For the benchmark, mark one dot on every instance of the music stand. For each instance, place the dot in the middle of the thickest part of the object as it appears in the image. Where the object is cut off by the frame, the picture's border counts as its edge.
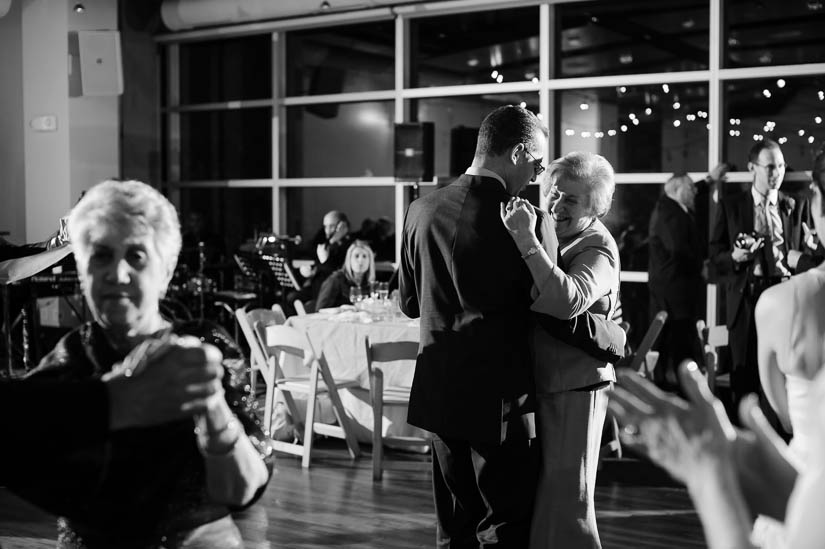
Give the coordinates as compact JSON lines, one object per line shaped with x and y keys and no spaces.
{"x":280,"y":268}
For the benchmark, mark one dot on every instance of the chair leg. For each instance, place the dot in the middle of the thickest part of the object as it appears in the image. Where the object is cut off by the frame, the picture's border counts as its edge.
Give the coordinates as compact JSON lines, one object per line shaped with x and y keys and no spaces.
{"x":310,"y":415}
{"x":269,"y":404}
{"x":338,"y":407}
{"x":377,"y":423}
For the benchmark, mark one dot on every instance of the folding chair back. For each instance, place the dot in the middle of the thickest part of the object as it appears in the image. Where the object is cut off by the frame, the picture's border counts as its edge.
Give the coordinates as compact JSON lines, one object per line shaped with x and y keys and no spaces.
{"x":379,"y":357}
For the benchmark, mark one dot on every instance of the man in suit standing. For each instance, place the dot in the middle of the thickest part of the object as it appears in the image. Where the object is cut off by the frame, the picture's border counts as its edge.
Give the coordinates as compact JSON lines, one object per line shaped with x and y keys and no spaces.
{"x":756,"y":241}
{"x":675,"y":273}
{"x":473,"y":387}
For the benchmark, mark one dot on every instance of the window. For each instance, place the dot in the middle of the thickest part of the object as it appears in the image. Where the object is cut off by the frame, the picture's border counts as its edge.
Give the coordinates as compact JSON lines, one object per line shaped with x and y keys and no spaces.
{"x":791,"y":111}
{"x":331,"y":60}
{"x":653,"y":128}
{"x":340,"y":140}
{"x":475,"y":48}
{"x":772,"y":33}
{"x":226,"y":70}
{"x":228,"y":144}
{"x":636,"y":36}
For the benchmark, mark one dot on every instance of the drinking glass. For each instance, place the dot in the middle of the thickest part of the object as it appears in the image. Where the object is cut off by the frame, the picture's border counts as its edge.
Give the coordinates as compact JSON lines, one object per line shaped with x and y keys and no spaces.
{"x":355,"y":295}
{"x":383,"y":291}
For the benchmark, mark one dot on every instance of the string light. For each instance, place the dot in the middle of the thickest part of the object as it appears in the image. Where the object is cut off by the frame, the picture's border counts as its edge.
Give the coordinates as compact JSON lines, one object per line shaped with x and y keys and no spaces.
{"x":821,"y":95}
{"x":811,"y":139}
{"x":780,"y":83}
{"x":622,"y":89}
{"x":585,"y":134}
{"x":494,"y":74}
{"x":648,"y":111}
{"x":631,"y":116}
{"x":535,"y":80}
{"x":611,"y":133}
{"x":818,"y":119}
{"x":523,"y":105}
{"x":635,"y":121}
{"x":665,"y":88}
{"x":690,"y":117}
{"x":801,"y":133}
{"x":766,"y":92}
{"x":500,"y":78}
{"x":782,"y":140}
{"x":584,"y":106}
{"x":676,"y":105}
{"x":569,"y":133}
{"x":623,"y":128}
{"x":677,"y":123}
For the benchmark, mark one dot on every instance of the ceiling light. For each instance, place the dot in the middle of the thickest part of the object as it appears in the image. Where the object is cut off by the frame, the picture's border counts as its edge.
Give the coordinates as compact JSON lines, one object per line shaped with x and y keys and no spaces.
{"x":325,"y":5}
{"x":79,"y":8}
{"x":584,"y":106}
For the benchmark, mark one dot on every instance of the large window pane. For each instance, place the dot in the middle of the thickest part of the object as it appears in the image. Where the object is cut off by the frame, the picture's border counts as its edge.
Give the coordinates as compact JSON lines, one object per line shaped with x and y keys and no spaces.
{"x":475,"y":48}
{"x":223,"y":219}
{"x":341,"y":59}
{"x":660,"y":128}
{"x":789,"y":111}
{"x":233,"y":144}
{"x":371,"y":213}
{"x":636,"y":36}
{"x":772,"y":33}
{"x":340,"y":140}
{"x":457,"y":120}
{"x":226,"y":70}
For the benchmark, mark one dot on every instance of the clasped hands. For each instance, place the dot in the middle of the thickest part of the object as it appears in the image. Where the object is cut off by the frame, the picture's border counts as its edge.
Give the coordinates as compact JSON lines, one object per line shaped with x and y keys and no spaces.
{"x":519,"y":217}
{"x":166,"y":380}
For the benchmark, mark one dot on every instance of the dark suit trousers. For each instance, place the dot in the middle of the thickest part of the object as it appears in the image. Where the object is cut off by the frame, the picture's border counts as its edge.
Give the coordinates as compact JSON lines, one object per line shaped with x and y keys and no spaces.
{"x":744,"y":376}
{"x":484,"y":492}
{"x":678,"y":341}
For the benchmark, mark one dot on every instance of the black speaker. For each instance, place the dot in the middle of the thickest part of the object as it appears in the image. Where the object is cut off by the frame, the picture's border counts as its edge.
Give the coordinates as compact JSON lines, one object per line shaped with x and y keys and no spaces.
{"x":414,"y":151}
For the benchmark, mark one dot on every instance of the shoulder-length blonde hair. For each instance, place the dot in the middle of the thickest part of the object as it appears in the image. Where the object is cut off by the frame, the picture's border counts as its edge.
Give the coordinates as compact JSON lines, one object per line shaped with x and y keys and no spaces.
{"x":362,"y":245}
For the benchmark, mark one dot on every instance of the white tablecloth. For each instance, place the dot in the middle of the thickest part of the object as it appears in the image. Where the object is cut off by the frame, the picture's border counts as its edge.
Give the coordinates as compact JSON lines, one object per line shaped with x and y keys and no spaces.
{"x":341,"y":340}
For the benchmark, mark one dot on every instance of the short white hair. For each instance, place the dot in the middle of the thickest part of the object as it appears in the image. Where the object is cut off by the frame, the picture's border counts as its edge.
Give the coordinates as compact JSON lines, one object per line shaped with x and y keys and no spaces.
{"x":132,"y":205}
{"x":592,"y":171}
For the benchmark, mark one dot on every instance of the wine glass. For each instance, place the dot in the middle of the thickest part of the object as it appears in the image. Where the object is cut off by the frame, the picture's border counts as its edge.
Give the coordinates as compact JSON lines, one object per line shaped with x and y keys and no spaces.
{"x":383,"y":291}
{"x":355,"y":295}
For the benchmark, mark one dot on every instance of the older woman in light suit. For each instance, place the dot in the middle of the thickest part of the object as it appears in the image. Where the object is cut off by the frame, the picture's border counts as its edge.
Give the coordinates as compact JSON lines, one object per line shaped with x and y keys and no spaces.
{"x":575,"y":268}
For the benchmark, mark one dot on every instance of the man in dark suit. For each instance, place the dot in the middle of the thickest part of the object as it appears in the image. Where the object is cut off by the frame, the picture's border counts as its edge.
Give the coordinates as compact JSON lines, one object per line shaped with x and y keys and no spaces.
{"x":675,"y":274}
{"x":473,"y":387}
{"x":756,"y":241}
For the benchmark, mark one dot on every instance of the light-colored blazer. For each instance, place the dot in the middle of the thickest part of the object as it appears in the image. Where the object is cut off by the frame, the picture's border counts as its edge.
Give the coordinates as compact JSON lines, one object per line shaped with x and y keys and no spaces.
{"x":587,"y":280}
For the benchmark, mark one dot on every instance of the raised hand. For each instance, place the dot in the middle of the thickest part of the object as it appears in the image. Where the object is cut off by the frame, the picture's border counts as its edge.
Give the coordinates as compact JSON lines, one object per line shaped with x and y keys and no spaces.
{"x":519,"y":217}
{"x":161,"y":381}
{"x":682,"y":437}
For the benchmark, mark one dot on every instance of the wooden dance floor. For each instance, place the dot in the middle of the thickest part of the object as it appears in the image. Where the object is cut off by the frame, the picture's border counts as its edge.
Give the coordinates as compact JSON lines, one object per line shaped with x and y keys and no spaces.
{"x":336,"y":504}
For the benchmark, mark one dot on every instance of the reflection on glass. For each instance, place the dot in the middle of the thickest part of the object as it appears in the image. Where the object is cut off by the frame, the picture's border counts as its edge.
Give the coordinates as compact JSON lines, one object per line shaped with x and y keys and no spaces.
{"x":232,"y":215}
{"x":457,"y":120}
{"x":654,"y":128}
{"x":772,"y":33}
{"x":354,"y":58}
{"x":475,"y":48}
{"x":226,"y":70}
{"x":370,"y":210}
{"x":340,"y":140}
{"x":632,"y":36}
{"x":232,"y":144}
{"x":791,"y":111}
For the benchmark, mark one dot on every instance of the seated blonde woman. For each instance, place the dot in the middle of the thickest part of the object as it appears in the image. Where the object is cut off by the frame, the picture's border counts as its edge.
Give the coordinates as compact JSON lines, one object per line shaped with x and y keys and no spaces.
{"x":358,"y":272}
{"x":575,"y":268}
{"x":174,"y":484}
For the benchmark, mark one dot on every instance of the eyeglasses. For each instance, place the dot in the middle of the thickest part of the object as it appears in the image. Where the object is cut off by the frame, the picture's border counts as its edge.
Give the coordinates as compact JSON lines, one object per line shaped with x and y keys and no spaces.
{"x":772,"y":167}
{"x":538,"y":169}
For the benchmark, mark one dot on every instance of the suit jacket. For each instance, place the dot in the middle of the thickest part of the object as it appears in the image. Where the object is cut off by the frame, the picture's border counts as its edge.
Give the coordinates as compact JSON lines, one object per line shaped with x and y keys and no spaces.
{"x":675,"y":261}
{"x":735,"y":215}
{"x":589,"y":273}
{"x":463,"y":275}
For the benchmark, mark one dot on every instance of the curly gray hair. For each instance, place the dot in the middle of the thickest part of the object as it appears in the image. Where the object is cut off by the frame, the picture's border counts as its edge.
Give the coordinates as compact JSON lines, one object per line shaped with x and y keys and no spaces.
{"x":130,"y":204}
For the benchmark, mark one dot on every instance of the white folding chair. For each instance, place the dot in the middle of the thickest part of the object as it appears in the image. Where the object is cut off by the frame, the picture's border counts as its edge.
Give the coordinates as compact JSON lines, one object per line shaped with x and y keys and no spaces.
{"x":713,"y":337}
{"x":281,"y":342}
{"x":381,"y":395}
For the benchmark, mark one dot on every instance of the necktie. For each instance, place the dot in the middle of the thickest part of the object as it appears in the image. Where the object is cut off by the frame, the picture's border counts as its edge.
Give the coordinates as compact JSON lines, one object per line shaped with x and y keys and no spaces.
{"x":773,"y":245}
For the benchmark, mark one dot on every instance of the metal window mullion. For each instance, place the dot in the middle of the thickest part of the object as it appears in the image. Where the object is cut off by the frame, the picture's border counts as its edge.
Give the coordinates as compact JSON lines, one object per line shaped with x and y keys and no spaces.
{"x":353,"y":97}
{"x":277,"y":72}
{"x":402,"y":73}
{"x":805,"y":69}
{"x":472,"y":89}
{"x":715,"y":121}
{"x":221,"y":105}
{"x":629,"y":80}
{"x":546,"y":96}
{"x":173,"y":157}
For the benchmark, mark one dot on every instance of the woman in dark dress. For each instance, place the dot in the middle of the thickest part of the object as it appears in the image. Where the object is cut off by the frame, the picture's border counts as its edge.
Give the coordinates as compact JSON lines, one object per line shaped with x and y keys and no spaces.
{"x":358,"y":272}
{"x":175,"y":484}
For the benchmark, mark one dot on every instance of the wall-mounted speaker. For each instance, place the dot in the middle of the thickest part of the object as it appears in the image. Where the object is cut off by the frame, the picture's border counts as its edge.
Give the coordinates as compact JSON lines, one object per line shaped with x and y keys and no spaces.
{"x":101,"y":72}
{"x":414,"y":151}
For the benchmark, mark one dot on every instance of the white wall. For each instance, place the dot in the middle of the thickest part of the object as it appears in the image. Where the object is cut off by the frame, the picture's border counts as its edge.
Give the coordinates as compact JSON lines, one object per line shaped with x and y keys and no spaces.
{"x":12,"y":176}
{"x":43,"y":173}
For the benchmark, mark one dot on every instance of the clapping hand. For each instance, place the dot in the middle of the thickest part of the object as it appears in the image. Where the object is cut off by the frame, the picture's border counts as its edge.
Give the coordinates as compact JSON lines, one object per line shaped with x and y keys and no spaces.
{"x":680,"y":436}
{"x":162,"y":381}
